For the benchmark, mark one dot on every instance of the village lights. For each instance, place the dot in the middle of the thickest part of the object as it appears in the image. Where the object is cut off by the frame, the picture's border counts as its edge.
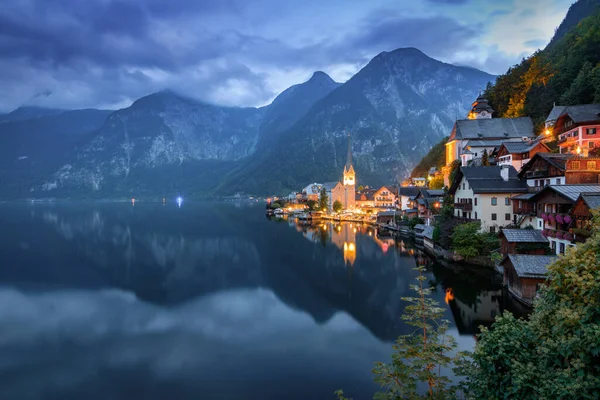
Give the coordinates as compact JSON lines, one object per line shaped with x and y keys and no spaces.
{"x":547,"y":131}
{"x":179,"y":201}
{"x":578,"y":150}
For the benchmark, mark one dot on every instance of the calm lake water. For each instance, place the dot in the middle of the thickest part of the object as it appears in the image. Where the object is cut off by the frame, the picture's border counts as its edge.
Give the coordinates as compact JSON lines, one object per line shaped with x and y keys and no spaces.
{"x":206,"y":301}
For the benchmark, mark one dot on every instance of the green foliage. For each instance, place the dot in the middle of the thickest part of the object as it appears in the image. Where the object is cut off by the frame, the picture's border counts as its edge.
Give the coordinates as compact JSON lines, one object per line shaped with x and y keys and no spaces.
{"x":361,"y":188}
{"x":567,"y":71}
{"x":275,"y":206}
{"x":337,"y":206}
{"x":556,"y":353}
{"x":454,"y":167}
{"x":312,"y":205}
{"x":437,"y":182}
{"x":323,"y":200}
{"x":419,"y":356}
{"x":436,"y":157}
{"x":414,"y":221}
{"x":525,"y":248}
{"x":468,"y":242}
{"x":485,"y":158}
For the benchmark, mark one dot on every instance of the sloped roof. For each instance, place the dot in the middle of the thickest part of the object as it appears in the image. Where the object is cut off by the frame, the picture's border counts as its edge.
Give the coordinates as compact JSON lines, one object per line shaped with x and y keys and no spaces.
{"x":488,"y":180}
{"x":591,"y":199}
{"x":555,"y":113}
{"x":557,"y":160}
{"x":530,"y":266}
{"x":368,"y":193}
{"x":572,"y":192}
{"x":408,"y":191}
{"x":428,"y":232}
{"x":386,"y":213}
{"x":524,"y":196}
{"x":493,"y":128}
{"x":524,"y":236}
{"x":583,"y":112}
{"x":435,"y":192}
{"x":519,"y":147}
{"x":330,"y":185}
{"x":484,"y":143}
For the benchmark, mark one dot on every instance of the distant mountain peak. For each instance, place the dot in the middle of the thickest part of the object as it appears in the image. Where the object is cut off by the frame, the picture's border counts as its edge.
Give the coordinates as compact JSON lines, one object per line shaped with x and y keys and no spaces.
{"x":320,"y":76}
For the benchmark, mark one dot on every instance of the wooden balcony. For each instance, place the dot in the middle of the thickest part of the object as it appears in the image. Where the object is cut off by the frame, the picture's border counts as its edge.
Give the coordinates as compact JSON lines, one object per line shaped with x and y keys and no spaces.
{"x":464,"y":206}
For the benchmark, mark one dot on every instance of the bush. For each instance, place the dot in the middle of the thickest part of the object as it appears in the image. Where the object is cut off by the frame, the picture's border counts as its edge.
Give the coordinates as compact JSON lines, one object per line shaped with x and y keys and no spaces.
{"x":468,"y":242}
{"x":414,"y":221}
{"x":337,"y":206}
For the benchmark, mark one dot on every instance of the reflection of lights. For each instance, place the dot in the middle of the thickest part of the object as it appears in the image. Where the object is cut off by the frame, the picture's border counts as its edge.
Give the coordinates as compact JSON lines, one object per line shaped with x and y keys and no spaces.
{"x":351,"y":247}
{"x":345,"y":246}
{"x":133,"y":202}
{"x":449,"y":295}
{"x":384,"y":247}
{"x":179,"y":201}
{"x":324,"y":227}
{"x":411,"y":252}
{"x":354,"y":230}
{"x":370,"y":233}
{"x":339,"y":228}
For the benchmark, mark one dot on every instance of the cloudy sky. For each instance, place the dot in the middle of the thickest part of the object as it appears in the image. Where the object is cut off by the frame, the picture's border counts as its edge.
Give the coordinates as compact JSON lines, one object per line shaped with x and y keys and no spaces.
{"x":107,"y":53}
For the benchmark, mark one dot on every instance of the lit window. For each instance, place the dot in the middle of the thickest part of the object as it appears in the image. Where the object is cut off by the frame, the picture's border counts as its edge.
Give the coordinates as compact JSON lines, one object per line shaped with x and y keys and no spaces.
{"x":591,"y":131}
{"x":591,"y":165}
{"x":494,"y":202}
{"x":591,"y":145}
{"x":575,"y":165}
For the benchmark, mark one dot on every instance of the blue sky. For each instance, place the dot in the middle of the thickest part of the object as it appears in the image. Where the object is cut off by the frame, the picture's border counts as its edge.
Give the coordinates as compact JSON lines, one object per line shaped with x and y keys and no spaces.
{"x":107,"y":53}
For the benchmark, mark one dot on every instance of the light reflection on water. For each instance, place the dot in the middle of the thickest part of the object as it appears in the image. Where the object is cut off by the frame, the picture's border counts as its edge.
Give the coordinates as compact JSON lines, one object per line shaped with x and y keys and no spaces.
{"x":205,"y":301}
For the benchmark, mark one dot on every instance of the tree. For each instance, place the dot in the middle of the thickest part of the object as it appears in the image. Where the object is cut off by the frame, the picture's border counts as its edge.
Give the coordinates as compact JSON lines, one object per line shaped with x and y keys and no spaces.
{"x":454,"y":167}
{"x":337,"y":206}
{"x":556,"y":353}
{"x":361,"y":188}
{"x":485,"y":159}
{"x":275,"y":205}
{"x":437,"y":182}
{"x":414,"y":221}
{"x":323,"y":200}
{"x":312,"y":205}
{"x":419,"y":356}
{"x":468,"y":242}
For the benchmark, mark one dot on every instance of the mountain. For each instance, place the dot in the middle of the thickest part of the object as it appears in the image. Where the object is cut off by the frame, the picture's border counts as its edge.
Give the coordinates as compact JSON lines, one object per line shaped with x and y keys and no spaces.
{"x":396,"y":108}
{"x":566,"y":72}
{"x":36,"y":141}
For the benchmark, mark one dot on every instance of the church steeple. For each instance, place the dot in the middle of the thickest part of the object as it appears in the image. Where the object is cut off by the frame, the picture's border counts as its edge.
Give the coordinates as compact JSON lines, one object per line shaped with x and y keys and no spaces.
{"x":480,"y":108}
{"x":349,"y":178}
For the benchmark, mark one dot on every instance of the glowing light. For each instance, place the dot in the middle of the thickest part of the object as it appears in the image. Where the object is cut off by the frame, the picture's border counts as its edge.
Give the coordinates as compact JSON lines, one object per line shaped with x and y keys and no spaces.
{"x":354,"y":230}
{"x":133,"y":202}
{"x":449,"y":295}
{"x":179,"y":201}
{"x":547,"y":132}
{"x":351,"y":247}
{"x":578,"y":150}
{"x":370,"y":233}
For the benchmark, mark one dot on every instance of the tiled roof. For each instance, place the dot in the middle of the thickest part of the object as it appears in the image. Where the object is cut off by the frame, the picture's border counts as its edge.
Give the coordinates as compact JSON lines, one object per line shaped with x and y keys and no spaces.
{"x":555,"y":113}
{"x":524,"y":196}
{"x":524,"y":236}
{"x":493,"y":128}
{"x":591,"y":199}
{"x":530,"y":266}
{"x":484,"y":143}
{"x":428,"y":232}
{"x":409,"y":191}
{"x":330,"y":185}
{"x":519,"y":147}
{"x":573,"y":191}
{"x":435,"y":192}
{"x":583,"y":112}
{"x":489,"y":180}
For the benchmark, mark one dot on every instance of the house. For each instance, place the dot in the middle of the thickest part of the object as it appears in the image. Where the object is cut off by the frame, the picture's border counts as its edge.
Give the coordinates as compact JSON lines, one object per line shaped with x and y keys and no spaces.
{"x":474,"y":149}
{"x":494,"y":131}
{"x":578,"y":129}
{"x":545,"y":169}
{"x":524,"y":273}
{"x":524,"y":210}
{"x":582,"y":170}
{"x":406,"y":197}
{"x":518,"y":154}
{"x":581,"y":215}
{"x":483,"y":194}
{"x":365,"y":198}
{"x":312,"y":192}
{"x":419,"y":182}
{"x":335,"y":192}
{"x":386,"y":217}
{"x":428,"y":238}
{"x":429,"y":202}
{"x":522,"y":241}
{"x":385,"y":197}
{"x":552,"y":205}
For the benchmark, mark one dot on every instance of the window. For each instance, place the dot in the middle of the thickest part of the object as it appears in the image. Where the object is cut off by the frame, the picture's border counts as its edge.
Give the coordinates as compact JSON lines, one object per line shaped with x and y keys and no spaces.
{"x":558,"y":181}
{"x":537,"y":183}
{"x":494,"y":217}
{"x":475,"y":214}
{"x":553,"y":245}
{"x":463,"y":186}
{"x":575,"y":165}
{"x":591,"y":145}
{"x":475,"y":200}
{"x":492,"y":229}
{"x":547,"y":181}
{"x":591,"y":165}
{"x":494,"y":201}
{"x":540,"y":224}
{"x":507,"y":201}
{"x":507,"y":217}
{"x":591,"y":131}
{"x":562,"y":248}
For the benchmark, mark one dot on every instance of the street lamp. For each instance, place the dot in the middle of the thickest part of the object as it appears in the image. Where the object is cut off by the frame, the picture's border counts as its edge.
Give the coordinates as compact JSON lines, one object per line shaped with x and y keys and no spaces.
{"x":578,"y":150}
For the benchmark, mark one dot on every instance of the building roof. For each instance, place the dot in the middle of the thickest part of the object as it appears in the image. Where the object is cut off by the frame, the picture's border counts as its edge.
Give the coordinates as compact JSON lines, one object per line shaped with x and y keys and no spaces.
{"x":368,"y":193}
{"x":492,"y":128}
{"x":524,"y":236}
{"x":330,"y":185}
{"x":530,"y":266}
{"x":420,"y":227}
{"x":488,"y":180}
{"x":484,"y":143}
{"x":409,"y":191}
{"x":582,"y":112}
{"x":591,"y":199}
{"x":435,"y":192}
{"x":555,"y":113}
{"x":519,"y":147}
{"x":559,"y":161}
{"x":571,"y":192}
{"x":386,"y":213}
{"x":524,"y":196}
{"x":428,"y":232}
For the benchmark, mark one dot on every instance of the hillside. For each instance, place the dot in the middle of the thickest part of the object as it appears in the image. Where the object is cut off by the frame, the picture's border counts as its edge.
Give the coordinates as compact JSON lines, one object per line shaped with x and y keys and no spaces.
{"x":436,"y":157}
{"x":566,"y":72}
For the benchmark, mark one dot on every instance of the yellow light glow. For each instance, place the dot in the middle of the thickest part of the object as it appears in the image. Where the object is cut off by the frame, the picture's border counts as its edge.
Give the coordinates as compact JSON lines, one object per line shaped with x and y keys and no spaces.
{"x":370,"y":233}
{"x":547,"y":132}
{"x":578,"y":150}
{"x":354,"y":230}
{"x":351,"y":247}
{"x":429,"y":178}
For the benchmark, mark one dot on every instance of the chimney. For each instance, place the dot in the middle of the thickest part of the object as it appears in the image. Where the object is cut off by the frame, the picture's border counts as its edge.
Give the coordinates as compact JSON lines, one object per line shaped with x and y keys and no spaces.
{"x":504,"y":172}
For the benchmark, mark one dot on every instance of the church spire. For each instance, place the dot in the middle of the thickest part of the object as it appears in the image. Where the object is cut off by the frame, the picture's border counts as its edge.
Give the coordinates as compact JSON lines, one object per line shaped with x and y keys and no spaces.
{"x":349,"y":155}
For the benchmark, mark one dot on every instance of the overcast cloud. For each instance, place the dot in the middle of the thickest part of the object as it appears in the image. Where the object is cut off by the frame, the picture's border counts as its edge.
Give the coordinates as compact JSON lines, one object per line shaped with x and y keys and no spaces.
{"x":107,"y":53}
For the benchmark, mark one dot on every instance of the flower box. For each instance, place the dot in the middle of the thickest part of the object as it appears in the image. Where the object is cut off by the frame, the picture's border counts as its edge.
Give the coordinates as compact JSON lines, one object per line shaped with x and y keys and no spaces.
{"x":567,"y":219}
{"x":544,"y":216}
{"x":559,"y":219}
{"x":559,"y":235}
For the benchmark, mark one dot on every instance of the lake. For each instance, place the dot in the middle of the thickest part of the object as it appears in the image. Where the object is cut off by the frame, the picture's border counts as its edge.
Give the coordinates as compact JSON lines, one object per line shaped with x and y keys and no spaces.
{"x":207,"y":301}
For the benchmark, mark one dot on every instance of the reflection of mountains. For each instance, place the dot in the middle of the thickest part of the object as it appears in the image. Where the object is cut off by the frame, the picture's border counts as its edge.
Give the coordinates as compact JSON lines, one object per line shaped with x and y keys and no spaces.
{"x":165,"y":257}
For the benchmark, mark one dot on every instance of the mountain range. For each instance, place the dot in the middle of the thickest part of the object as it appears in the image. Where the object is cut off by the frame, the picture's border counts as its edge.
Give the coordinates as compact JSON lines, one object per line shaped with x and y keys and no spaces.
{"x":395,"y":108}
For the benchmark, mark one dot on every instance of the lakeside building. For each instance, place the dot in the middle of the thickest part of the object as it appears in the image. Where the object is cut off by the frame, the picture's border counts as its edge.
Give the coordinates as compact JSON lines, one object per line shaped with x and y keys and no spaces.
{"x":524,"y":274}
{"x":311,"y":192}
{"x":581,"y":215}
{"x":428,"y":204}
{"x":483,"y":194}
{"x":518,"y":154}
{"x":577,"y":128}
{"x":406,"y":198}
{"x":349,"y":180}
{"x":365,"y":198}
{"x":522,"y":241}
{"x":335,"y":192}
{"x":385,"y":197}
{"x":545,"y":169}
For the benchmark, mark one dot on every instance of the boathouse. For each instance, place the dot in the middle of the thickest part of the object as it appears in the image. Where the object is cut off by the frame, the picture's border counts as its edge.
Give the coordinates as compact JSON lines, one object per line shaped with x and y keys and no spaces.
{"x":524,"y":273}
{"x":523,"y":241}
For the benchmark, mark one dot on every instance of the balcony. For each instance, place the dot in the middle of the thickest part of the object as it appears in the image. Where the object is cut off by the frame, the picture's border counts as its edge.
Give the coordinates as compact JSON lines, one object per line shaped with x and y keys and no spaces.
{"x":567,"y":139}
{"x":540,"y":173}
{"x":464,"y":206}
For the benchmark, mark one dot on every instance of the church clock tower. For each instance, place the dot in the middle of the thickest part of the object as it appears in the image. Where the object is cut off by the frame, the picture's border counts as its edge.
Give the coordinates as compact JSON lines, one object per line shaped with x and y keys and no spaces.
{"x":480,"y":109}
{"x":349,"y":179}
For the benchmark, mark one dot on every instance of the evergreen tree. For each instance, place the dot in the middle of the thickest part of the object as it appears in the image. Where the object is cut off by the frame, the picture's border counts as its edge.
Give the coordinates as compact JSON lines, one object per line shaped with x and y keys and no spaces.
{"x":337,"y":206}
{"x":323,"y":200}
{"x":485,"y":159}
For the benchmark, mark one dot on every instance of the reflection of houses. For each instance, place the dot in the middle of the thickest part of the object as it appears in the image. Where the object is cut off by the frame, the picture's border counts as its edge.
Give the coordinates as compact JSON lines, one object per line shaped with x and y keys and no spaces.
{"x":469,"y":317}
{"x":523,"y":275}
{"x":343,"y":236}
{"x":522,"y":241}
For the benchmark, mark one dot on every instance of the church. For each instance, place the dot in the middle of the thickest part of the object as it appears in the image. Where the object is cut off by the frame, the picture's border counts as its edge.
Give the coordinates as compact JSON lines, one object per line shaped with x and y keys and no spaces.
{"x":345,"y":191}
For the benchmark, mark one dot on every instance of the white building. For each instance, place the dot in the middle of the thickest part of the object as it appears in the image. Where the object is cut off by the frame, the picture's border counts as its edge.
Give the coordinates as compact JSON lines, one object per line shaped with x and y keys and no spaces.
{"x":484,"y":194}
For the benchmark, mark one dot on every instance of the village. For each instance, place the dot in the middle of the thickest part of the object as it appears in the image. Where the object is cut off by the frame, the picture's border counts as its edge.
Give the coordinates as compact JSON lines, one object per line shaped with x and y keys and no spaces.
{"x":532,"y":190}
